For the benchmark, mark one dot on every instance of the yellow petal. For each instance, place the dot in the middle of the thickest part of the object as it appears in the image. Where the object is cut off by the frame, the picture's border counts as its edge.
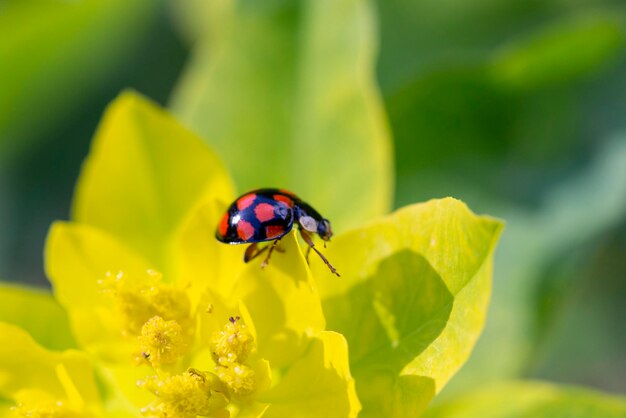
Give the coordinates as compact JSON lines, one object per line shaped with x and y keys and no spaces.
{"x":35,"y":311}
{"x":411,"y":301}
{"x":143,"y":174}
{"x":200,"y":260}
{"x":319,"y":384}
{"x":282,"y":301}
{"x":253,"y":410}
{"x":26,"y":366}
{"x":77,"y":257}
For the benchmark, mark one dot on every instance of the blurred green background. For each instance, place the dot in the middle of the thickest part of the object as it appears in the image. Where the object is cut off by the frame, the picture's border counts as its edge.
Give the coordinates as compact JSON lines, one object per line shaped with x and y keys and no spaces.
{"x":516,"y":107}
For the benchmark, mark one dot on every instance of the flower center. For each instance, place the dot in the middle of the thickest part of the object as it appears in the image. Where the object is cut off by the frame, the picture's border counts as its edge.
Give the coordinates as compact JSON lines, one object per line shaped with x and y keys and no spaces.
{"x":137,"y":299}
{"x":159,"y":316}
{"x":195,"y":392}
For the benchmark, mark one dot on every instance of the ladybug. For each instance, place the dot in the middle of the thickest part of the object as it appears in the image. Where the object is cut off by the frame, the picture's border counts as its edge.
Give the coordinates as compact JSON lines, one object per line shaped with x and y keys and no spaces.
{"x":268,"y":215}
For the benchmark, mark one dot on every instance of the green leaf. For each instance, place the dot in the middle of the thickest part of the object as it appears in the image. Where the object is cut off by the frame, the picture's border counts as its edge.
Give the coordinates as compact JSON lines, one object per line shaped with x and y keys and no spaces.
{"x":561,"y":52}
{"x":286,"y":95}
{"x":411,"y":301}
{"x":424,"y":108}
{"x":36,"y":312}
{"x":429,"y":35}
{"x":562,"y":220}
{"x":200,"y":19}
{"x":54,"y":54}
{"x":531,"y":399}
{"x":498,"y":107}
{"x":142,"y":176}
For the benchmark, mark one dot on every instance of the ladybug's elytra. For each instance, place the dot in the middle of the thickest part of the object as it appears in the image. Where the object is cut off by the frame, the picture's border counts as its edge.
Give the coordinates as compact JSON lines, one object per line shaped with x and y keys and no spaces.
{"x":268,"y":215}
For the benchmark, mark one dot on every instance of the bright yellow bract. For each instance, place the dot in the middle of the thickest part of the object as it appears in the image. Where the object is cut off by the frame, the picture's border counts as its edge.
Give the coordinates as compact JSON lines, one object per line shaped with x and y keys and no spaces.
{"x":171,"y":323}
{"x":137,"y":299}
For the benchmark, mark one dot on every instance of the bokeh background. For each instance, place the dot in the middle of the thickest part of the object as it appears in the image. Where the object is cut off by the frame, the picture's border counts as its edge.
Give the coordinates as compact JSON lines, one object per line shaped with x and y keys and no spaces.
{"x":517,"y":107}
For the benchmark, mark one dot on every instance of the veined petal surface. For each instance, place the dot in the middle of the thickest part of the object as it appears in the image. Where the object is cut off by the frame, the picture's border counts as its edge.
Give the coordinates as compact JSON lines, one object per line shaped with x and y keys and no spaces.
{"x":143,"y":174}
{"x":411,"y":301}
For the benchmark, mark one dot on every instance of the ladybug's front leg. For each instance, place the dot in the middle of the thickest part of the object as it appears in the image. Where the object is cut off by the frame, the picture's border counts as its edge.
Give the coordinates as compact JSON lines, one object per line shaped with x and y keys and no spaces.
{"x":252,"y":252}
{"x":307,"y":238}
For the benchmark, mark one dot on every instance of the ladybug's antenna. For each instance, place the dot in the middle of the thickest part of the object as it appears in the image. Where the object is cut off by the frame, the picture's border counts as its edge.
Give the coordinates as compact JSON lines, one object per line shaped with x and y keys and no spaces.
{"x":308,"y":240}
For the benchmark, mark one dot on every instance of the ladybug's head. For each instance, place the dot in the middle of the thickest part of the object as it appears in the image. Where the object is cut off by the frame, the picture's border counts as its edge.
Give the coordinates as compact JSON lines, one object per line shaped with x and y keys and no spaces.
{"x":324,"y":230}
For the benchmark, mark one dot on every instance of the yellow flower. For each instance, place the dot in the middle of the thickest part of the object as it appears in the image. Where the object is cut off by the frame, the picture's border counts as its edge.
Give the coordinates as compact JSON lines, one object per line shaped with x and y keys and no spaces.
{"x":178,"y":323}
{"x":172,"y":323}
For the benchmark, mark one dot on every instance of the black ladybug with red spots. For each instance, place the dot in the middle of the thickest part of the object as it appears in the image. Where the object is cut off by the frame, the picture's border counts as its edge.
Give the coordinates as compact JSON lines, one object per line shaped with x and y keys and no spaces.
{"x":268,"y":215}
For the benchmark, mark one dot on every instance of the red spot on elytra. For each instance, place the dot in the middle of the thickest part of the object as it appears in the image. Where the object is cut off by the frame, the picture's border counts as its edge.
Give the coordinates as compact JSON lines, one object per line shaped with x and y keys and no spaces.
{"x":264,"y":212}
{"x":245,"y":201}
{"x":284,"y":199}
{"x":272,"y":231}
{"x":223,"y":228}
{"x":245,"y":230}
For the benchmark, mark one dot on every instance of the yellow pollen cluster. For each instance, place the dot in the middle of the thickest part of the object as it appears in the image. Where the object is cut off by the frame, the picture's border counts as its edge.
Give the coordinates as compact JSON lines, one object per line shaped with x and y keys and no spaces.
{"x":233,"y":344}
{"x":137,"y":299}
{"x":47,"y":410}
{"x":239,"y":378}
{"x":161,"y":341}
{"x":230,"y":348}
{"x":187,"y":395}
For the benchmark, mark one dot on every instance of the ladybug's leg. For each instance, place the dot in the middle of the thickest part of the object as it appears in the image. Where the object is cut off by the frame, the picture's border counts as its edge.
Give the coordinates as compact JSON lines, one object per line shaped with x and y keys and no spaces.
{"x":269,"y":254}
{"x":308,"y":240}
{"x":308,"y":251}
{"x":252,"y":252}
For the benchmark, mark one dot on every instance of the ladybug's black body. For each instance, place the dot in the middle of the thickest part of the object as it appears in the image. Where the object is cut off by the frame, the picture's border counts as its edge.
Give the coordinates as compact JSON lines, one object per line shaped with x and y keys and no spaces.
{"x":268,"y":215}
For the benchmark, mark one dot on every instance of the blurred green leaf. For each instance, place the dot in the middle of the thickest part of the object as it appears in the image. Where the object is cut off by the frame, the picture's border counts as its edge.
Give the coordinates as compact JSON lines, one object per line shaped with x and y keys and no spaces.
{"x":36,"y":312}
{"x":430,"y":34}
{"x":200,"y":19}
{"x":427,"y":35}
{"x":286,"y":96}
{"x":582,"y":294}
{"x":449,"y":113}
{"x":531,"y":399}
{"x":411,"y":300}
{"x":570,"y":215}
{"x":54,"y":53}
{"x":461,"y":130}
{"x":560,"y":52}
